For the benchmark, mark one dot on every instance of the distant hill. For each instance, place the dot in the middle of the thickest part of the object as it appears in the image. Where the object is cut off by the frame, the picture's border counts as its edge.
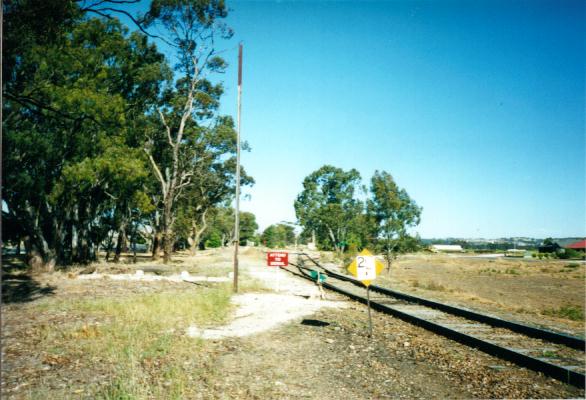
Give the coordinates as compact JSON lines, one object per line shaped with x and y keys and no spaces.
{"x":498,"y":243}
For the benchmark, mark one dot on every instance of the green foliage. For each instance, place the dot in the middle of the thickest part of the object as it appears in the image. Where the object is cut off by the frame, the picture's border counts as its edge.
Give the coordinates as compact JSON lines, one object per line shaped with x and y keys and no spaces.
{"x":570,"y":254}
{"x":213,"y":181}
{"x":548,"y":242}
{"x":393,"y":213}
{"x":214,"y":240}
{"x":248,"y":227}
{"x":328,"y":205}
{"x":574,"y":313}
{"x":279,"y":235}
{"x":572,"y":265}
{"x":221,"y":227}
{"x":71,"y":100}
{"x":82,"y":98}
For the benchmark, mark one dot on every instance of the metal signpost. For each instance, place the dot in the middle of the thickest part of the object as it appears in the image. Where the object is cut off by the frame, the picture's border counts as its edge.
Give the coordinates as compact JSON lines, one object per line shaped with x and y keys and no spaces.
{"x":365,"y":268}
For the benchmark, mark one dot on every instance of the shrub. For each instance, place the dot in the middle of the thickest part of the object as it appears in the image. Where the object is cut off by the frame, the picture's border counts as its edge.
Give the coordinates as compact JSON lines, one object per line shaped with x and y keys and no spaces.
{"x":215,"y":240}
{"x":571,"y":254}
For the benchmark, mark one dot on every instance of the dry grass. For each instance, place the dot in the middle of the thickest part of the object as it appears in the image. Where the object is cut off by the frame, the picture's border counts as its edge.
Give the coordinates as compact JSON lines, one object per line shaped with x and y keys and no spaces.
{"x":535,"y":291}
{"x":118,"y":340}
{"x":136,"y":345}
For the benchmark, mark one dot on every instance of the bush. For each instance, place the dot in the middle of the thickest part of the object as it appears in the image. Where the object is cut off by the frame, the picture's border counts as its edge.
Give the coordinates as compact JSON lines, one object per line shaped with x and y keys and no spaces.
{"x":571,"y":254}
{"x":215,"y":240}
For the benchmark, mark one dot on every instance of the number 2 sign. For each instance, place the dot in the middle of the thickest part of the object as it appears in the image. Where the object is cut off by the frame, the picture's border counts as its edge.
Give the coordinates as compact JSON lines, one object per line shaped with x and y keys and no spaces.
{"x":365,"y":267}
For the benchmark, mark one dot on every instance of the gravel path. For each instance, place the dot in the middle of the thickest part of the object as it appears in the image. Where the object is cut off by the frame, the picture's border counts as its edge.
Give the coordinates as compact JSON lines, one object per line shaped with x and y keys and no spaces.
{"x":293,"y":299}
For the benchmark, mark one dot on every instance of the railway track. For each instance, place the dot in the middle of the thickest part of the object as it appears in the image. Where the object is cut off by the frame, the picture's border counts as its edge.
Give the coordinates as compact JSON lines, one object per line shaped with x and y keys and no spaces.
{"x":554,"y":354}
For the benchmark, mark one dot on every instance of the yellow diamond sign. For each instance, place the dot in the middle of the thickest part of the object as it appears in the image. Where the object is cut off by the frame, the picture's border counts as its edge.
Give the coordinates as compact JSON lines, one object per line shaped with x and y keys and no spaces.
{"x":365,"y":267}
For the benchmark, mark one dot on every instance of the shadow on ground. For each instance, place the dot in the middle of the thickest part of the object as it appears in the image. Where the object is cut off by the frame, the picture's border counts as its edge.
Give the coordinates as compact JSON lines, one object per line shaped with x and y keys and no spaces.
{"x":18,"y":286}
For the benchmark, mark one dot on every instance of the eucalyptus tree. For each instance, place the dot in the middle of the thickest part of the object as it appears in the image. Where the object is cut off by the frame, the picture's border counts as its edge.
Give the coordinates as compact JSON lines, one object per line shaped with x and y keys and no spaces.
{"x":73,"y":88}
{"x":193,"y":26}
{"x":220,"y":230}
{"x":393,"y":212}
{"x":278,"y":235}
{"x":213,"y":180}
{"x":329,"y":205}
{"x":221,"y":226}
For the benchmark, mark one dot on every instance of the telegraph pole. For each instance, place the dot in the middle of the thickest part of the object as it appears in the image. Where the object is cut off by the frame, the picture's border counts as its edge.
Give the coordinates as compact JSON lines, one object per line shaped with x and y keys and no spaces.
{"x":237,"y":211}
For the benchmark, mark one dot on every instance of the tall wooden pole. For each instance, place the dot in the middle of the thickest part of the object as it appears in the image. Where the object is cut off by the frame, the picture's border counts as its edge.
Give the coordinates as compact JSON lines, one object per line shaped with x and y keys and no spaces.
{"x":237,"y":211}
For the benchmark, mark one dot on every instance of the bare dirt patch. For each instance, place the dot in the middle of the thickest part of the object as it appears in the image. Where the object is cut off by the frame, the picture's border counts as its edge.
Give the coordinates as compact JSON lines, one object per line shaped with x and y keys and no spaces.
{"x":334,"y":359}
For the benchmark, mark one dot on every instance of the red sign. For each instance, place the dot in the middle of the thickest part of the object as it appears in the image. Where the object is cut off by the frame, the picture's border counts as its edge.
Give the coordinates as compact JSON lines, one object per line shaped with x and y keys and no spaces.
{"x":277,"y":259}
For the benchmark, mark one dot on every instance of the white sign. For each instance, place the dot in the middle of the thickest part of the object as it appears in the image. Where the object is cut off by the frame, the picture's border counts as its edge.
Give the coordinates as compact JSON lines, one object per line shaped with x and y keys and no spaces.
{"x":365,"y":268}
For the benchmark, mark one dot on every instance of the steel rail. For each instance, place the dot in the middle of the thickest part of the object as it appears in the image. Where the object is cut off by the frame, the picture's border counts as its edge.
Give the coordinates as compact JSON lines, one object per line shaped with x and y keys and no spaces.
{"x":538,"y":333}
{"x":560,"y":373}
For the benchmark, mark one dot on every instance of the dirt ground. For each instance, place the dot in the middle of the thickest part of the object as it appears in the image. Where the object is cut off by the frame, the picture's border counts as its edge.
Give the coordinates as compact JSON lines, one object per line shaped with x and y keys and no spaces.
{"x":330,"y":356}
{"x":323,"y":355}
{"x":534,"y":291}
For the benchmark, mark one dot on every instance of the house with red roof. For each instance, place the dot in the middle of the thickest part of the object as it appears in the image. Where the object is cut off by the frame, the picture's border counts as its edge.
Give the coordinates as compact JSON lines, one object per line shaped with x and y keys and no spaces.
{"x":580,"y":245}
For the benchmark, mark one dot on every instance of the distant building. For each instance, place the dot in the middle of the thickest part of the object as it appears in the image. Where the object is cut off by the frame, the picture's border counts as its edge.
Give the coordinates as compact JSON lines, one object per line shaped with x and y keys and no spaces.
{"x":515,"y":253}
{"x":446,"y":248}
{"x":580,"y":245}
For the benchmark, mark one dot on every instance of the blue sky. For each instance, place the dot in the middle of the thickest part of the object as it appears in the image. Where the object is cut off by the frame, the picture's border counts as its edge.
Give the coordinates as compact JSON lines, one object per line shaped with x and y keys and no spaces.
{"x":475,"y":107}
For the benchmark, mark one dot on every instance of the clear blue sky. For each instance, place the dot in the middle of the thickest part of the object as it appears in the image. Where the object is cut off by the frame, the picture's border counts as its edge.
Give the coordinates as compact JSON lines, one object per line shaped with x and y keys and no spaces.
{"x":476,"y":108}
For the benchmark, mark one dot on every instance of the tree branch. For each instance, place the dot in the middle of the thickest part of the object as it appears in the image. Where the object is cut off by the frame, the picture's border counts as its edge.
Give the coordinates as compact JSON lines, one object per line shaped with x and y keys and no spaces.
{"x":157,"y":172}
{"x":102,"y":12}
{"x":167,"y":128}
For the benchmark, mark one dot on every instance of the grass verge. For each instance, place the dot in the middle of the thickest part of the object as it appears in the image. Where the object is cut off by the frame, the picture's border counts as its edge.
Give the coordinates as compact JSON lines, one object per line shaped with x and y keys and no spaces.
{"x":133,"y":347}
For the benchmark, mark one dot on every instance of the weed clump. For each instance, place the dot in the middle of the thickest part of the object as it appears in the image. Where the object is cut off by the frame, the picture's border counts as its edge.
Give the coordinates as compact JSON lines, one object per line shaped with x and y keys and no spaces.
{"x":574,"y":313}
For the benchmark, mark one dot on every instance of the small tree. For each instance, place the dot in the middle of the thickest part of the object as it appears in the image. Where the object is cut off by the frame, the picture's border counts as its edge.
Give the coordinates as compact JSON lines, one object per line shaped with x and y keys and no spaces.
{"x":393,"y":212}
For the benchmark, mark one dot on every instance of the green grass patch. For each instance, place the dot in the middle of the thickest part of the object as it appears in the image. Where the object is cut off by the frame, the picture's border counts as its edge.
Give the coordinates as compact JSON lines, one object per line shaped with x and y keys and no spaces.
{"x":512,"y":271}
{"x":549,"y":354}
{"x":163,"y":309}
{"x":574,"y":313}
